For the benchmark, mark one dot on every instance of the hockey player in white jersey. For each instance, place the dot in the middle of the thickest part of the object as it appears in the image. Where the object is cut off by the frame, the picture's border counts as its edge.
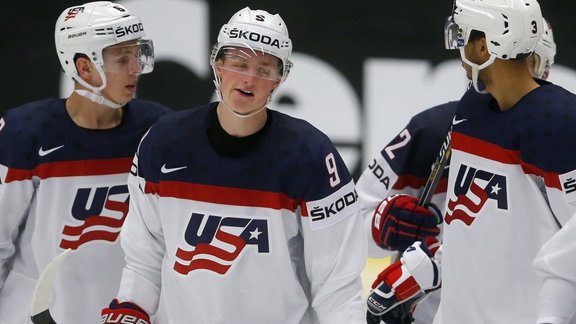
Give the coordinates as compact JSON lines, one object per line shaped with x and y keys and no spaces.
{"x":557,"y":270}
{"x":402,"y":167}
{"x":239,"y":213}
{"x":506,"y":192}
{"x":64,"y":165}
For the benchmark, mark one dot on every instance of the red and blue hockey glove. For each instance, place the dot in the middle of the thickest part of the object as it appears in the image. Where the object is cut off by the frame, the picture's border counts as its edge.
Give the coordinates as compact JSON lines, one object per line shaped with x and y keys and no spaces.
{"x":405,"y":281}
{"x":399,"y":221}
{"x":125,"y":312}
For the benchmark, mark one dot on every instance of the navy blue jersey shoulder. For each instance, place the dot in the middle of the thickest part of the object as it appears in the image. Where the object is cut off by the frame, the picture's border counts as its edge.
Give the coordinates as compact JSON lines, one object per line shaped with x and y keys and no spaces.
{"x":287,"y":159}
{"x":414,"y":152}
{"x":41,"y":126}
{"x":541,"y":126}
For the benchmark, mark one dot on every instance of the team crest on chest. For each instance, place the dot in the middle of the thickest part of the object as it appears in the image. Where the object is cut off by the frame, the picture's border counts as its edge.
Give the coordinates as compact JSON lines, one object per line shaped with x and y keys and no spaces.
{"x":98,"y":216}
{"x":215,"y":242}
{"x":473,"y":188}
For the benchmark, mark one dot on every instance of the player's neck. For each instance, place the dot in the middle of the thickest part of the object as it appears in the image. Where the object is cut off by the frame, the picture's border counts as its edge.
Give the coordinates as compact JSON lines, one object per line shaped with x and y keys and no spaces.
{"x":510,"y":84}
{"x":238,"y":126}
{"x":88,"y":114}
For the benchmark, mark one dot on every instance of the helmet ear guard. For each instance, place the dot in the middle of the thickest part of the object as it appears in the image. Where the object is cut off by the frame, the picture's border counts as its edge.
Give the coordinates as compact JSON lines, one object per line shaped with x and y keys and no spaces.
{"x":546,"y":51}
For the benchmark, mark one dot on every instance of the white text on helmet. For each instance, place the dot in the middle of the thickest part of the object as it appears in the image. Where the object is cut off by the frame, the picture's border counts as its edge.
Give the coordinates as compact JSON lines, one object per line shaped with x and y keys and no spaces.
{"x":126,"y":30}
{"x":255,"y":37}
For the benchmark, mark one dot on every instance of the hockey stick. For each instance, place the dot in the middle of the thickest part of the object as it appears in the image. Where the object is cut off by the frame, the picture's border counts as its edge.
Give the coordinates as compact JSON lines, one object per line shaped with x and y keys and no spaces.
{"x":405,"y":313}
{"x":39,"y":310}
{"x":436,"y":174}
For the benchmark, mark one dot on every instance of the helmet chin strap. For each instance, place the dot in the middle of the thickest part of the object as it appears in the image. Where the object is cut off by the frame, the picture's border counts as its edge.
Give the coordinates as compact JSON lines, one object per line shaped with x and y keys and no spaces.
{"x":98,"y":98}
{"x":95,"y":94}
{"x":476,"y":69}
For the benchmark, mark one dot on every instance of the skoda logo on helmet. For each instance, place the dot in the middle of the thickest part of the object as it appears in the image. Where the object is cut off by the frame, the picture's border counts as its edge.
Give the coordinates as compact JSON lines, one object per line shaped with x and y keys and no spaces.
{"x":122,"y":31}
{"x":254,"y":36}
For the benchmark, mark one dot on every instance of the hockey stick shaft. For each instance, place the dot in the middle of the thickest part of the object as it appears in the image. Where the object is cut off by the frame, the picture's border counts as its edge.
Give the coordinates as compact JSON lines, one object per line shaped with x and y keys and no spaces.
{"x":429,"y":190}
{"x":436,"y":173}
{"x":434,"y":177}
{"x":39,"y":310}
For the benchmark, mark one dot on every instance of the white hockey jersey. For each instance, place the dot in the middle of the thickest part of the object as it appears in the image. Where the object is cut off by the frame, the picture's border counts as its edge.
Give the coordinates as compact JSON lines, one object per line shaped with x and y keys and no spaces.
{"x":556,"y":265}
{"x":510,"y":184}
{"x":270,"y":235}
{"x":63,"y":186}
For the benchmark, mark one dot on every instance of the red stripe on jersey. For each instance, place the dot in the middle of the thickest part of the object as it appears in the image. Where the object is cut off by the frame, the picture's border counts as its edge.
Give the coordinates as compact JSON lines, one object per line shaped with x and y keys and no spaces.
{"x":484,"y":149}
{"x":89,"y":236}
{"x":18,"y":175}
{"x":83,"y":168}
{"x":415,"y":182}
{"x":407,"y":180}
{"x":222,"y":195}
{"x":551,"y":179}
{"x":496,"y":153}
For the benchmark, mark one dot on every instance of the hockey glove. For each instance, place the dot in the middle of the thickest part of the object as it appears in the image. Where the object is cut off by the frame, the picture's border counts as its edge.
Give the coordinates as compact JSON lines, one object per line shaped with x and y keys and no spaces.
{"x":405,"y":281}
{"x":398,"y":315}
{"x":399,"y":221}
{"x":124,"y":313}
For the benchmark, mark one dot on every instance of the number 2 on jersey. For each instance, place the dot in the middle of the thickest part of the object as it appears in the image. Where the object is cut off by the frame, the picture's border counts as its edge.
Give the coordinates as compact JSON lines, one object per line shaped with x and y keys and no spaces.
{"x":405,"y":136}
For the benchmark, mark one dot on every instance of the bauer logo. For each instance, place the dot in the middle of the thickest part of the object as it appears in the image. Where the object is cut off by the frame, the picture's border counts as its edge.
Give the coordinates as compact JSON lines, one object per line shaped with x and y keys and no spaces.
{"x":77,"y":35}
{"x":568,"y":181}
{"x":122,"y":319}
{"x":122,"y":31}
{"x":332,"y":209}
{"x":215,"y":242}
{"x":254,"y":36}
{"x":474,"y":188}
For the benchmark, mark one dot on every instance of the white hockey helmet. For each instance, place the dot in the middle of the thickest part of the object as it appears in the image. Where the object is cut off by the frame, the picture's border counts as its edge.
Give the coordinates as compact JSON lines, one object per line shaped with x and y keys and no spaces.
{"x":256,"y":30}
{"x":511,"y":27}
{"x":546,"y":50}
{"x":88,"y":29}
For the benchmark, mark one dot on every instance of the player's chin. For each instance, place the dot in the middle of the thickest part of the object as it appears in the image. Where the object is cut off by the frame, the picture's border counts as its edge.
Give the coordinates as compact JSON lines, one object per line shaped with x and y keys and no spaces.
{"x":123,"y":99}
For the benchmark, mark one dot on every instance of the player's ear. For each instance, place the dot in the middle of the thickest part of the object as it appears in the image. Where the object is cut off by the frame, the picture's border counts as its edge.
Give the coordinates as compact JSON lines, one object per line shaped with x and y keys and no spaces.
{"x":482,"y":49}
{"x":84,"y":68}
{"x":217,"y":67}
{"x":87,"y":71}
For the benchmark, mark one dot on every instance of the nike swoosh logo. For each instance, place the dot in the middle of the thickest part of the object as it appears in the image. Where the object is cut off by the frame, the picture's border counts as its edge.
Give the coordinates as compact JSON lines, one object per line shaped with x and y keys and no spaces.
{"x":458,"y":121}
{"x":164,"y":169}
{"x":43,"y":152}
